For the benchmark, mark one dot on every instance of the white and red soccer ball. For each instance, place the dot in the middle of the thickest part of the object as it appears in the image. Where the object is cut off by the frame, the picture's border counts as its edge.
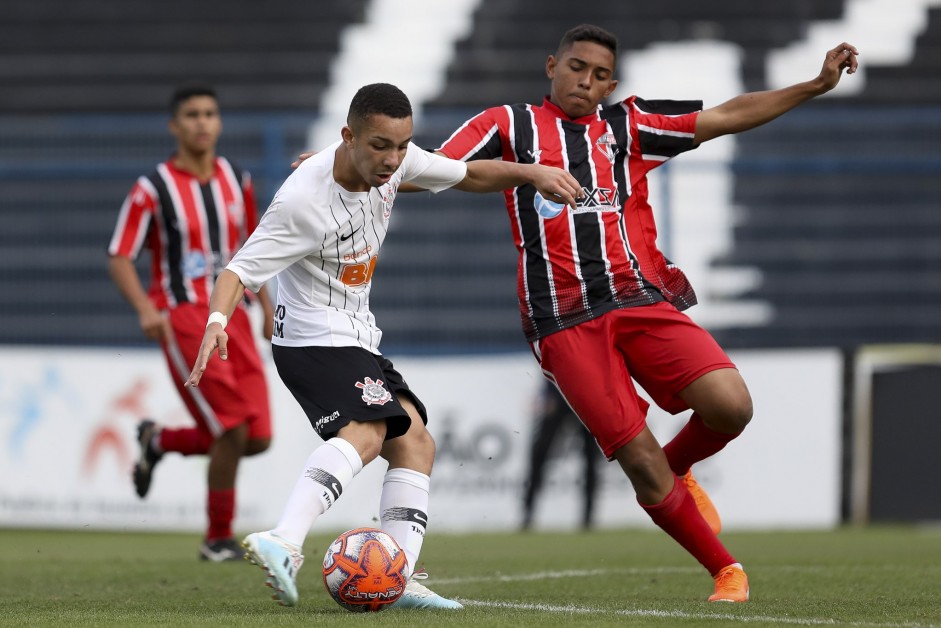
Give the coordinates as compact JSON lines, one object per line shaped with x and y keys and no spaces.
{"x":365,"y":570}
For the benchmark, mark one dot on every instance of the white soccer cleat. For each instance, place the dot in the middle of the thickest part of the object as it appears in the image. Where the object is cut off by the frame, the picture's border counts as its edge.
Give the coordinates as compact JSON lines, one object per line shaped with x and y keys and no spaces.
{"x":280,"y":559}
{"x":418,"y":595}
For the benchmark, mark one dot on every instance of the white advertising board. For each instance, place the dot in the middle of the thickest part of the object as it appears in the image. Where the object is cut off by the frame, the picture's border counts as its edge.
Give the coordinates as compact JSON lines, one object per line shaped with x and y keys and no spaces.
{"x":67,"y":445}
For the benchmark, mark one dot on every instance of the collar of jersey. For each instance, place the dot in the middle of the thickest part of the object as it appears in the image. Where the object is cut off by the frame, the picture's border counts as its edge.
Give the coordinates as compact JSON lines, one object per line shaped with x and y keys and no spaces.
{"x":557,"y":112}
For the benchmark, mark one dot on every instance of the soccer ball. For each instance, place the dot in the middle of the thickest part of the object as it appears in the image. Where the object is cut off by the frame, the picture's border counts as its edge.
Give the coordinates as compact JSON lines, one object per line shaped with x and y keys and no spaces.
{"x":365,"y":570}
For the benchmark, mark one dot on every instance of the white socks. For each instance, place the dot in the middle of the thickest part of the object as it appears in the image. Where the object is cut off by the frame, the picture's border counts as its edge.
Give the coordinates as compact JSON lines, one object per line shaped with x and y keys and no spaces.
{"x":403,"y":510}
{"x":328,"y":471}
{"x":403,"y":506}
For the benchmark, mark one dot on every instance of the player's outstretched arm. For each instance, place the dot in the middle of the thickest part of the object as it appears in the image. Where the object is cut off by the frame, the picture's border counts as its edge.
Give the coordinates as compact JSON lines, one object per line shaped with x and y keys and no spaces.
{"x":756,"y":108}
{"x":489,"y":175}
{"x":226,"y":294}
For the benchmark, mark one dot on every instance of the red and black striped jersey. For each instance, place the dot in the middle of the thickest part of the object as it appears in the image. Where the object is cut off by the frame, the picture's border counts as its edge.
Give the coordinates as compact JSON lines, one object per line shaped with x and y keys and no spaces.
{"x":192,"y":228}
{"x":576,"y":263}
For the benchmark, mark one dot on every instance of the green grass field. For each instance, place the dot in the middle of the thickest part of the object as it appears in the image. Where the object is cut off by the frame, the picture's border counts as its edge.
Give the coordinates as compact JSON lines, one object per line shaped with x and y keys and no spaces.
{"x":855,"y":577}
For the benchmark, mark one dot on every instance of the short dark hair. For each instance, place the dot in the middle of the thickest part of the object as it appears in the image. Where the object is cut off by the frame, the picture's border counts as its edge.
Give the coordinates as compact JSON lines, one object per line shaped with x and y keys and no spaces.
{"x":378,"y":98}
{"x":186,"y":91}
{"x":589,"y":32}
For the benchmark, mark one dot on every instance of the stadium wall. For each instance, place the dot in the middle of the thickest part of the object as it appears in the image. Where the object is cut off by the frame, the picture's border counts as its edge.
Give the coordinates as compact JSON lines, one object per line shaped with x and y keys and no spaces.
{"x":68,"y":421}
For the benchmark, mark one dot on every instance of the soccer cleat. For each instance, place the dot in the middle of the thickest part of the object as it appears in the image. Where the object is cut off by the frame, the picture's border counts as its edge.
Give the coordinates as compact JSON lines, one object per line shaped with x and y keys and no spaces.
{"x":149,"y":457}
{"x":221,"y":550}
{"x":280,"y":559}
{"x":703,"y":503}
{"x":418,"y":595}
{"x":731,"y":585}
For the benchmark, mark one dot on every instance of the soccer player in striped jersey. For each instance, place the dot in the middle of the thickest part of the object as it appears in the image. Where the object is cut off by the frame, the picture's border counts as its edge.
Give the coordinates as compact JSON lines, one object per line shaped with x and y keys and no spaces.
{"x":192,"y":213}
{"x":599,"y":302}
{"x":322,"y":237}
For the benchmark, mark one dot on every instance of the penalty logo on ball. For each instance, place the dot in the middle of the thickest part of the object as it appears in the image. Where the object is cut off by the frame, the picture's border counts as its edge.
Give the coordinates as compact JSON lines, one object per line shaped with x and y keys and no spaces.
{"x":365,"y":570}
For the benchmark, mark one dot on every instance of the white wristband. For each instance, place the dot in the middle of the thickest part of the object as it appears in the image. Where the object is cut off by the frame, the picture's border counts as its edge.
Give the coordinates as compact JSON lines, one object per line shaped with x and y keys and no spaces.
{"x":217,"y":317}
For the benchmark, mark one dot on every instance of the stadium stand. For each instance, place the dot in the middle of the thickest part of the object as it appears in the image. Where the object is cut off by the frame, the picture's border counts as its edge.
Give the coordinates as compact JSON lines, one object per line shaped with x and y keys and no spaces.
{"x":119,"y":55}
{"x":64,"y":175}
{"x":839,"y":209}
{"x":836,"y":203}
{"x":512,"y":37}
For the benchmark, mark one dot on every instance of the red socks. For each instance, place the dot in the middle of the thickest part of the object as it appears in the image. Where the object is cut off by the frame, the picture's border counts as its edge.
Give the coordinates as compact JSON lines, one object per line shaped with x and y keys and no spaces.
{"x":220,"y":504}
{"x":678,"y":516}
{"x":188,"y":441}
{"x":221,"y":510}
{"x":693,"y":443}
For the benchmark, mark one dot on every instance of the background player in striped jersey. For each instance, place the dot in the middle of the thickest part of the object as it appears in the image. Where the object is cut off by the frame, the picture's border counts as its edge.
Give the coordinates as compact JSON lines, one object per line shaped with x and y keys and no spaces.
{"x":322,"y":236}
{"x":193,"y":212}
{"x":599,"y":302}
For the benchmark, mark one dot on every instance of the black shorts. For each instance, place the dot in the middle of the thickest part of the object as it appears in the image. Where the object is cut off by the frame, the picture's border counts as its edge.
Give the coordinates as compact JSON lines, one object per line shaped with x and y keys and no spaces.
{"x":336,"y":385}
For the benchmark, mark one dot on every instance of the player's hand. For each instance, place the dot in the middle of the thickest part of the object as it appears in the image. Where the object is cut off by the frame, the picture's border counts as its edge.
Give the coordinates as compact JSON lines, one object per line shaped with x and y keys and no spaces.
{"x":153,"y":324}
{"x":214,"y":338}
{"x":842,"y":57}
{"x":302,"y":157}
{"x":556,"y":185}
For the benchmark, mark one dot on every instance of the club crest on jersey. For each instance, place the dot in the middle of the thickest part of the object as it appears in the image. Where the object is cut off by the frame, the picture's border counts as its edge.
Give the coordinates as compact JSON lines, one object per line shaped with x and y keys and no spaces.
{"x":374,"y":393}
{"x":388,"y":197}
{"x":608,"y":145}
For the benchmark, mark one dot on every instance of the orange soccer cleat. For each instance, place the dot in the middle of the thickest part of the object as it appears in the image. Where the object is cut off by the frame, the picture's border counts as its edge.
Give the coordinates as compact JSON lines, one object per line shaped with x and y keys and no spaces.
{"x":731,"y":585}
{"x":703,"y":503}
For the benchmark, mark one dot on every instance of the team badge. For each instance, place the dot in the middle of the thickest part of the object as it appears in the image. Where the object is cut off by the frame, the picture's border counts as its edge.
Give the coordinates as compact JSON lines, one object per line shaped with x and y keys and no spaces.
{"x":388,"y":197}
{"x":374,"y":393}
{"x":608,"y":145}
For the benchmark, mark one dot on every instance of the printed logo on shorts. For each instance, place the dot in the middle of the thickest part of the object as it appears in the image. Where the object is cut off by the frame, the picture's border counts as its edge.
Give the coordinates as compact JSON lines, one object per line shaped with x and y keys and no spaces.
{"x":373,"y":392}
{"x":326,"y":420}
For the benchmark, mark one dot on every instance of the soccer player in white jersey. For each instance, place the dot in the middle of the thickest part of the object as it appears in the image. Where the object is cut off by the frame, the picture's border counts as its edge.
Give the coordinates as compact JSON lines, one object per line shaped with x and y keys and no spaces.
{"x":322,"y":235}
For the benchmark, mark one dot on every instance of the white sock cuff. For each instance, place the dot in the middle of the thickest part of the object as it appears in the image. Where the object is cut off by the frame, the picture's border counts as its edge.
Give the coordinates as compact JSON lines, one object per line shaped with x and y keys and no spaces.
{"x":349,"y":452}
{"x":410,"y":477}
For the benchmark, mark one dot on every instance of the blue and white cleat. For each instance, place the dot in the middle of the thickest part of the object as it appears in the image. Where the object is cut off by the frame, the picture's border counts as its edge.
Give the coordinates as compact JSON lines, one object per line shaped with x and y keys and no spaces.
{"x":418,"y":595}
{"x":280,"y":559}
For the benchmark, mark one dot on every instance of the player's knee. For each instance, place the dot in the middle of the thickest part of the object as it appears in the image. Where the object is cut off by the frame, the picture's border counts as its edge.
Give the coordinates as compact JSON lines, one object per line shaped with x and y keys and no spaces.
{"x":739,"y":414}
{"x":643,"y":462}
{"x":425,"y":445}
{"x":413,"y":450}
{"x":257,"y":445}
{"x":732,"y":416}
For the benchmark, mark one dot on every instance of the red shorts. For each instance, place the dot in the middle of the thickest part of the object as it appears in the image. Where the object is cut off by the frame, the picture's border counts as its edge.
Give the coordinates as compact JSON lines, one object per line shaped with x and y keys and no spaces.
{"x":231,"y":392}
{"x":593,"y":363}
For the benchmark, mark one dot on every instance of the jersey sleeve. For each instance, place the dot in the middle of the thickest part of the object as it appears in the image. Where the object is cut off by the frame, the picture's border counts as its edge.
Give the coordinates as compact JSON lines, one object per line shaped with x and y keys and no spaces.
{"x":285,"y":234}
{"x":134,"y":220}
{"x":662,"y":129}
{"x":478,"y":138}
{"x":430,"y":171}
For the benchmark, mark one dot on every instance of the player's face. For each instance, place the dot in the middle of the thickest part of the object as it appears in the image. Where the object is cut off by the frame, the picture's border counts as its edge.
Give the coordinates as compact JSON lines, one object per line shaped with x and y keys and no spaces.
{"x":582,"y":77}
{"x":197,"y":125}
{"x":378,"y":147}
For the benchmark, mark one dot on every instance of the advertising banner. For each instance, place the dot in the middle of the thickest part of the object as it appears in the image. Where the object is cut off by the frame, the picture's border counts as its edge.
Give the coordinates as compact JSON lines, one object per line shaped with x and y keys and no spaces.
{"x":67,"y":445}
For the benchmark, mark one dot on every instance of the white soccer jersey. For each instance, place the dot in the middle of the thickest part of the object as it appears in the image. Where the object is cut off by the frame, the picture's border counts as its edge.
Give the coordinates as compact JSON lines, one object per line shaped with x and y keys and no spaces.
{"x":323,"y":243}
